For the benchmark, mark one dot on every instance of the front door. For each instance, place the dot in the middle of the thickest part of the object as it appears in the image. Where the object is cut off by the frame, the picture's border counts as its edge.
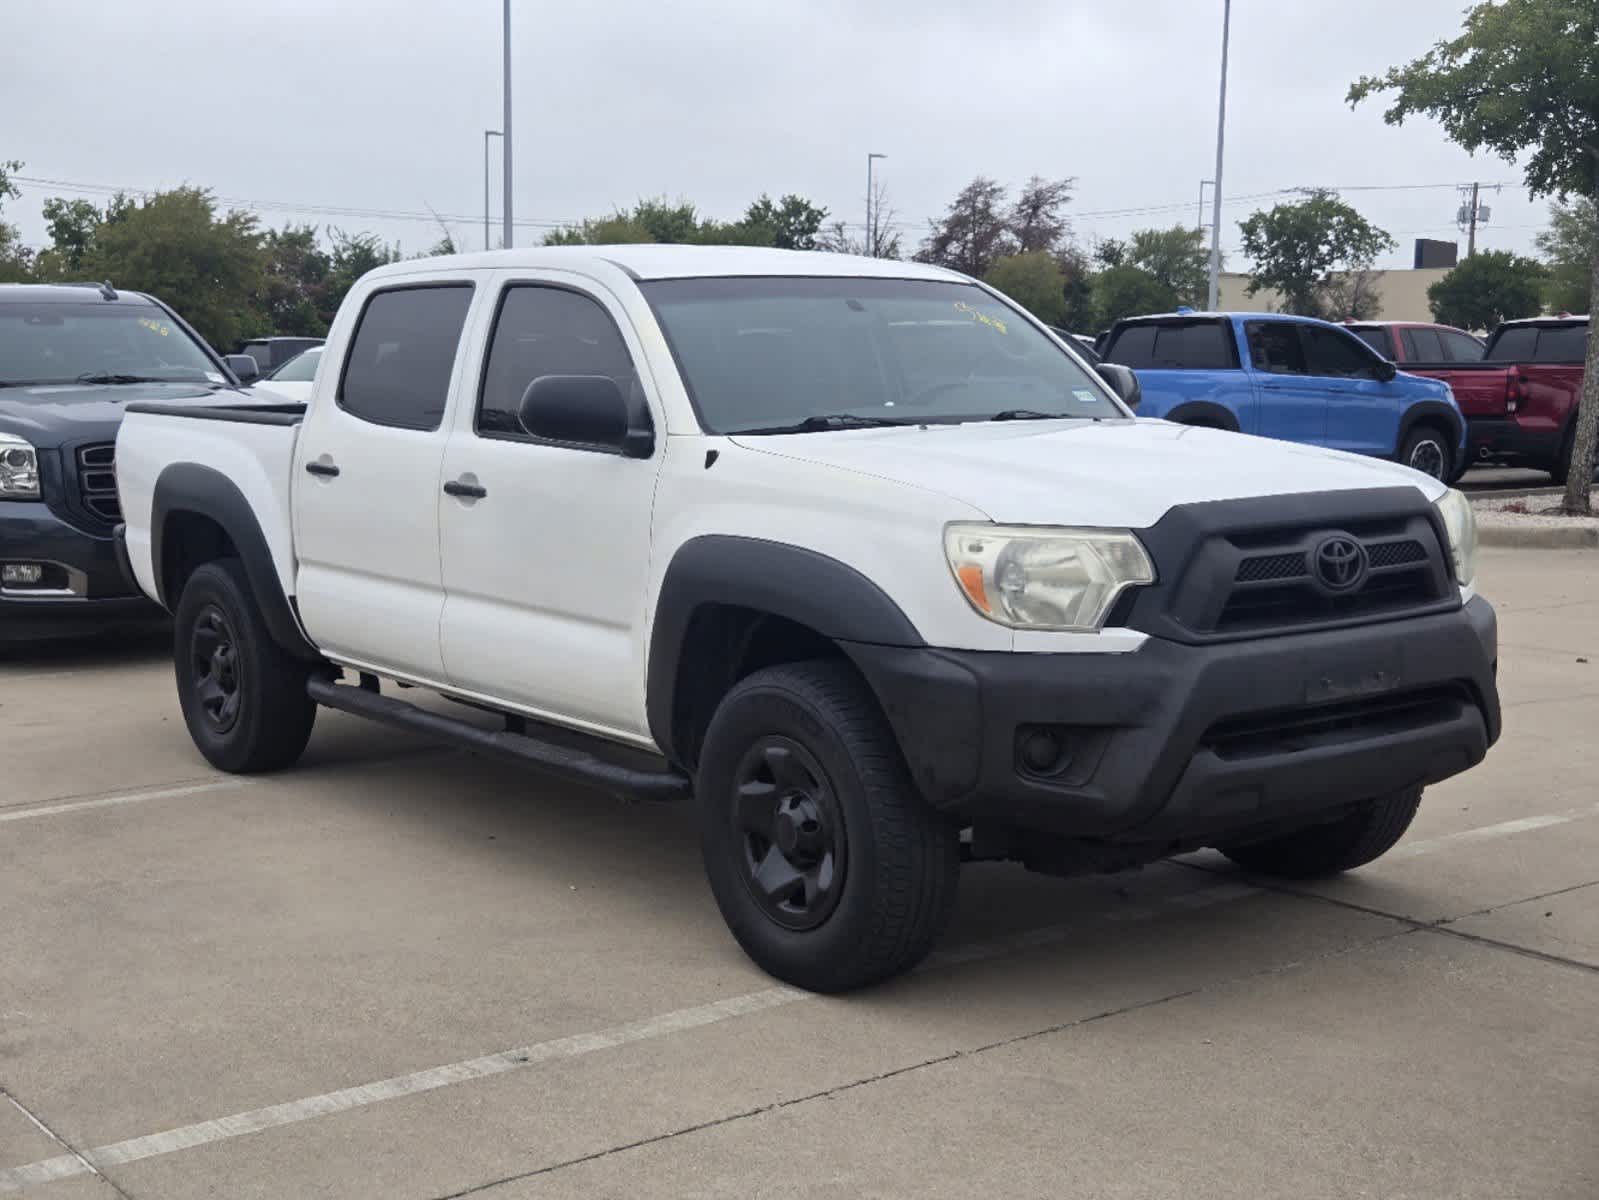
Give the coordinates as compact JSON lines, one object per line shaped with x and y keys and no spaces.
{"x":366,"y":483}
{"x":1362,"y":409}
{"x":1289,"y":404}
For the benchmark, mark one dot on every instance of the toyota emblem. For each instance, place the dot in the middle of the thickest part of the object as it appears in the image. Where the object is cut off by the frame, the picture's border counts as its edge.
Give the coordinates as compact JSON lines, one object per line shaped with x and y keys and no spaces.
{"x":1340,"y":563}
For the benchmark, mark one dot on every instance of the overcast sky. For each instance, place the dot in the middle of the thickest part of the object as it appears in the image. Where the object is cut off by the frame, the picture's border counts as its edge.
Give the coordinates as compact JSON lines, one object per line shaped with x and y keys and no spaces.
{"x":381,"y":104}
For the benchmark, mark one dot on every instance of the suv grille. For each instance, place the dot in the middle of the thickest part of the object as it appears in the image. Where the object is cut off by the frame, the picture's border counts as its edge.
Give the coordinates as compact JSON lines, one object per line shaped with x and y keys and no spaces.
{"x":97,"y":480}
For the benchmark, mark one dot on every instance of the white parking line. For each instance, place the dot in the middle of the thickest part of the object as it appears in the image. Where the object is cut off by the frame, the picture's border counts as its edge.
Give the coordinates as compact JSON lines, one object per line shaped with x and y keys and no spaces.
{"x":1503,"y":829}
{"x":191,"y":789}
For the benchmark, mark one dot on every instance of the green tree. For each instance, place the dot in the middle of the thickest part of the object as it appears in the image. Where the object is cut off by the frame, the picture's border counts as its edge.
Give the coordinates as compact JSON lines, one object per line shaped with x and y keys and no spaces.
{"x":16,"y":261}
{"x":974,"y":233}
{"x":1078,"y":293}
{"x":293,"y":295}
{"x":1034,"y":280}
{"x":353,"y":255}
{"x":1178,"y":257}
{"x":1038,"y":219}
{"x":72,"y":225}
{"x":174,"y":246}
{"x":1129,"y":291}
{"x":1521,"y":79}
{"x":1297,"y":249}
{"x":1570,"y":245}
{"x":792,"y":223}
{"x":1488,"y":288}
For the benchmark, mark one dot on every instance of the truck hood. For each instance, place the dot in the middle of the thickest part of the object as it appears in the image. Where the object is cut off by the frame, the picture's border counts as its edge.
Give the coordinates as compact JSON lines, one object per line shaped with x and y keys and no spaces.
{"x":1110,"y":473}
{"x":49,"y":415}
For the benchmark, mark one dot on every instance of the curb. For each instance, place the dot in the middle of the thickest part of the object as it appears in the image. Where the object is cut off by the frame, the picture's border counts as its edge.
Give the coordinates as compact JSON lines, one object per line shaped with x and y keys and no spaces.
{"x":1540,"y":537}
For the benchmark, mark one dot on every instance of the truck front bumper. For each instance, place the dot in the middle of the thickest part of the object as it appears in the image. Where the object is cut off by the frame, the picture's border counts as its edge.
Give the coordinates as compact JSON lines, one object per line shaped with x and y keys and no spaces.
{"x":84,"y":585}
{"x":1177,"y":744}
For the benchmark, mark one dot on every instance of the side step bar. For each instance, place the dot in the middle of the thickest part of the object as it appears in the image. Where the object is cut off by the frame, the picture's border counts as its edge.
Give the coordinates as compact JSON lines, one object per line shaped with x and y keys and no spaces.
{"x":624,"y":782}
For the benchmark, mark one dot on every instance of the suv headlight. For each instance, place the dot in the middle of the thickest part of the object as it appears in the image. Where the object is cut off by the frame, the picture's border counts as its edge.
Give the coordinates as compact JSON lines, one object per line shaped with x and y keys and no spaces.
{"x":1036,"y":578}
{"x":1461,"y":525}
{"x":19,"y":469}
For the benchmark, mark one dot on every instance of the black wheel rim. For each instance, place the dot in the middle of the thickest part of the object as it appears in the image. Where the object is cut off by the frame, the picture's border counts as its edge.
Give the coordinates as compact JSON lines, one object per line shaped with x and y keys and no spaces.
{"x":214,"y":662}
{"x":788,"y":833}
{"x":1428,"y":457}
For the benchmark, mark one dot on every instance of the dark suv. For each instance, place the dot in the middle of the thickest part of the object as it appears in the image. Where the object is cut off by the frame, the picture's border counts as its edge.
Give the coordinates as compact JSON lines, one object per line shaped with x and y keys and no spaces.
{"x":71,"y":359}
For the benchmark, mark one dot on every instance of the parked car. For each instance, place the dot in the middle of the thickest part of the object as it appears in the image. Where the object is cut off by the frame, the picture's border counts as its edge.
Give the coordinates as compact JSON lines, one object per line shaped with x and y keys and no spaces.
{"x":849,"y":550}
{"x":1521,"y":399}
{"x":1292,"y":378}
{"x":292,"y":381}
{"x":1406,"y":342}
{"x":71,"y":358}
{"x":270,"y":353}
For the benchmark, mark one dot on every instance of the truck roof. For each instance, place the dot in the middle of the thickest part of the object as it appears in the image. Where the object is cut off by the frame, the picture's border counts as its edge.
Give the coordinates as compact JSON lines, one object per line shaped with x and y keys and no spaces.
{"x":1206,"y":315}
{"x":678,"y":262}
{"x":65,"y":293}
{"x":1562,"y":319}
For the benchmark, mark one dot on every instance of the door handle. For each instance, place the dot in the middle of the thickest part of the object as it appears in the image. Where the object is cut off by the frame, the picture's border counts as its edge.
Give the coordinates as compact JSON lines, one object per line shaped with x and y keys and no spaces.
{"x":325,"y":469}
{"x":468,"y":491}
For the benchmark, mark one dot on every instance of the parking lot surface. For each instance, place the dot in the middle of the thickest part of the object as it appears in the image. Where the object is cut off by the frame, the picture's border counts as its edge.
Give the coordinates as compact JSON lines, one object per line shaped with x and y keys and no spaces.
{"x":401,"y":971}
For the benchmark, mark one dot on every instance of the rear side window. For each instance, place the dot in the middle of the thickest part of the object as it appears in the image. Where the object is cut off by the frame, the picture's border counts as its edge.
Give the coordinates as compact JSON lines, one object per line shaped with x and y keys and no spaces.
{"x":1422,"y":345}
{"x":547,"y":331}
{"x":1515,"y":344}
{"x":399,"y":366}
{"x":1378,"y":338}
{"x":1334,"y":353}
{"x":1565,"y":344}
{"x":1460,"y":347}
{"x":1179,"y":346}
{"x":1274,"y":347}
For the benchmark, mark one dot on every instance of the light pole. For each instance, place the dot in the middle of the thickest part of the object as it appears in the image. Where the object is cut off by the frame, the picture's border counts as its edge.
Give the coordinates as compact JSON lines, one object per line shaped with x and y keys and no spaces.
{"x":487,"y":134}
{"x":1203,"y":184}
{"x":1221,"y":130}
{"x":505,"y":143}
{"x":871,"y":238}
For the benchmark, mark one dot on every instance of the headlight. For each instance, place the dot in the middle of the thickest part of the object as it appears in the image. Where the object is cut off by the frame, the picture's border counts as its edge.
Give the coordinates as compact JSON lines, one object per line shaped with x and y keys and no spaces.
{"x":1461,"y":525}
{"x":1033,"y":578}
{"x":19,"y":469}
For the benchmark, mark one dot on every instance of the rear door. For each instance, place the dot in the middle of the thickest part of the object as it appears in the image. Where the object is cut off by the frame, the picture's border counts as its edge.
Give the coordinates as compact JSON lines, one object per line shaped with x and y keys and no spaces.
{"x":366,"y":484}
{"x":1289,"y":402}
{"x":1362,"y":410}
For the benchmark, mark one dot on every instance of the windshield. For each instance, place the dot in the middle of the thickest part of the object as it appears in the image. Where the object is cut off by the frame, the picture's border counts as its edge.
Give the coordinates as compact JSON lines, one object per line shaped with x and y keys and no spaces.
{"x":97,"y":341}
{"x":769,"y":354}
{"x":299,"y":369}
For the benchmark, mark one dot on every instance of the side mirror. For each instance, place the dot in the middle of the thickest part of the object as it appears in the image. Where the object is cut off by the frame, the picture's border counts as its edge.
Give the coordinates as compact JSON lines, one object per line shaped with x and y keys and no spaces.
{"x":1386,"y":370}
{"x":243,"y":366}
{"x":1122,"y":381}
{"x":585,"y":411}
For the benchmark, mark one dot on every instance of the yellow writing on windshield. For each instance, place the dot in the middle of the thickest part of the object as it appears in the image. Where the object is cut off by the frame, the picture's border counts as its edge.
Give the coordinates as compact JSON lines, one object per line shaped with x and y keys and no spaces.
{"x":982,"y":318}
{"x":160,"y":327}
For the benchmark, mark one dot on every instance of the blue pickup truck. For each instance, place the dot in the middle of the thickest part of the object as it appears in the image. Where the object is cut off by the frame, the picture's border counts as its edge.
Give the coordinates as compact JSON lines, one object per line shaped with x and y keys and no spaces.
{"x":1292,"y":378}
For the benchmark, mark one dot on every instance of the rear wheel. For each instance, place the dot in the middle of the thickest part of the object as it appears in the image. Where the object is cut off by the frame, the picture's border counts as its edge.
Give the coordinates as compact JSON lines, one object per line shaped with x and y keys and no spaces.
{"x":829,"y":868}
{"x":243,"y":697}
{"x":1427,"y":450}
{"x":1365,"y":834}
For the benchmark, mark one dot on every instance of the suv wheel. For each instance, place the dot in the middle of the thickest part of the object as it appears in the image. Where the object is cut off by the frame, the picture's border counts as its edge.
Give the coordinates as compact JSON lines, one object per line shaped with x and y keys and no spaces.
{"x":1365,"y":834}
{"x":1427,"y":451}
{"x":243,"y":697}
{"x":829,"y":868}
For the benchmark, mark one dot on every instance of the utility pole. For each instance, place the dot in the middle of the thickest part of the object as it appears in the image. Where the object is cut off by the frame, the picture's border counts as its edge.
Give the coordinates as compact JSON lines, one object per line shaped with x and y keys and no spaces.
{"x":871,"y":234}
{"x":1199,"y":223}
{"x":1221,"y":130}
{"x":505,"y":163}
{"x":1471,"y":237}
{"x":487,"y":134}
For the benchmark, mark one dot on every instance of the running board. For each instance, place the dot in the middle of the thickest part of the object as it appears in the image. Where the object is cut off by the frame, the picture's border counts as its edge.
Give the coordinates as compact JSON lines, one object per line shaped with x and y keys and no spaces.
{"x":624,"y":782}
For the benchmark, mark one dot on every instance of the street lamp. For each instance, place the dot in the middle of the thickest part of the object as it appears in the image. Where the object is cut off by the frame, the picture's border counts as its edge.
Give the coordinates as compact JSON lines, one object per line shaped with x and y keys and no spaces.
{"x":1203,"y":184}
{"x":487,"y":134}
{"x":871,"y":240}
{"x":505,"y":144}
{"x":1221,"y":129}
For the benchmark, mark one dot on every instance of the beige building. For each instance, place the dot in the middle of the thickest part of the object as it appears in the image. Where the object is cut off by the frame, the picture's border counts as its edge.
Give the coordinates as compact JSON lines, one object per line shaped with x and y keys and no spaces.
{"x":1403,"y":294}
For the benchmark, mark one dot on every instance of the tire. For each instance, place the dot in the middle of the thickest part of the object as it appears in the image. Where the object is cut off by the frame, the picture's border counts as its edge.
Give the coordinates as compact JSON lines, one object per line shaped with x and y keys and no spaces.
{"x":1427,"y":450}
{"x":801,"y":786}
{"x":1352,"y":841}
{"x":243,"y":696}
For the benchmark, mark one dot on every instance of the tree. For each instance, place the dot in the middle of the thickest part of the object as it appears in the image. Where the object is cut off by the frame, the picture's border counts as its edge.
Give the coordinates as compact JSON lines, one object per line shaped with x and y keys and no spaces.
{"x":1035,"y":281}
{"x":1178,"y":257}
{"x":881,"y":238}
{"x":1078,"y":294}
{"x":974,"y":233}
{"x":1037,"y":221}
{"x":1296,"y":248}
{"x":16,"y":261}
{"x":174,"y":245}
{"x":1570,"y":244}
{"x":1523,"y":76}
{"x":294,"y":293}
{"x":1488,"y":288}
{"x":790,"y":224}
{"x":72,"y":224}
{"x":1129,"y":291}
{"x":352,"y":257}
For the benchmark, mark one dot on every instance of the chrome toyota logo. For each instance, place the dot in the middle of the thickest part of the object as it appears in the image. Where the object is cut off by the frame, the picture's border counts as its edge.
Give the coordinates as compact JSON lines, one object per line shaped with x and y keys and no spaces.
{"x":1340,"y":563}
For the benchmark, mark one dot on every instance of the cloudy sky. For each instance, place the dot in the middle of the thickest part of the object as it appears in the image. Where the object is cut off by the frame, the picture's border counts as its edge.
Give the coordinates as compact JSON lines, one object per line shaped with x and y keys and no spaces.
{"x":298,"y":107}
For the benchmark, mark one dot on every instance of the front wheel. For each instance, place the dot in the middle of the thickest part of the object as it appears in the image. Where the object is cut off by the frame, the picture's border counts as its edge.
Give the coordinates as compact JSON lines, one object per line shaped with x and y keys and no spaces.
{"x":1365,"y":834}
{"x":1428,"y":451}
{"x":829,"y":868}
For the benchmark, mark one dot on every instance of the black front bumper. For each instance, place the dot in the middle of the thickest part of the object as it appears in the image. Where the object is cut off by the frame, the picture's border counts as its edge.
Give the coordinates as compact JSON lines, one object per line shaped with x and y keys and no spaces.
{"x":87,"y":586}
{"x":1175,"y":743}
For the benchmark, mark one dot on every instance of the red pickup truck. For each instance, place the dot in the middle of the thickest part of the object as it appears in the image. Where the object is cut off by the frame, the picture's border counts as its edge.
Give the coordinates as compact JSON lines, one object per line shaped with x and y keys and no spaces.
{"x":1520,"y":400}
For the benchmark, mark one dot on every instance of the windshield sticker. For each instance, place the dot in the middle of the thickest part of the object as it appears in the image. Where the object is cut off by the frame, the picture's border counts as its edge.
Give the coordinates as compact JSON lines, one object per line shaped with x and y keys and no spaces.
{"x":1085,"y":396}
{"x":981,"y":318}
{"x":160,"y":327}
{"x":214,"y":377}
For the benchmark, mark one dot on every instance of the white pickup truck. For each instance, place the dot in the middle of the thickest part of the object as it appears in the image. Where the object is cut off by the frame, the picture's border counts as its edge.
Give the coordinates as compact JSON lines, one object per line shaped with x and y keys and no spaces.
{"x":854,"y":553}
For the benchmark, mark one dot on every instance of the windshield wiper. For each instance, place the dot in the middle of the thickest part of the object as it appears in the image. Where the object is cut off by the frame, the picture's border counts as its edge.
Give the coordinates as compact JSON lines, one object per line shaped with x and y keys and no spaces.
{"x":117,"y":377}
{"x":825,"y":421}
{"x":1027,"y":414}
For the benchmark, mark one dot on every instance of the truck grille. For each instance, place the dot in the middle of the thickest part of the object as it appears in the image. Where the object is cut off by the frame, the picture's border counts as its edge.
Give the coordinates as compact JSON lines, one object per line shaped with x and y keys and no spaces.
{"x":1281,"y":589}
{"x":1306,"y":728}
{"x":97,"y":480}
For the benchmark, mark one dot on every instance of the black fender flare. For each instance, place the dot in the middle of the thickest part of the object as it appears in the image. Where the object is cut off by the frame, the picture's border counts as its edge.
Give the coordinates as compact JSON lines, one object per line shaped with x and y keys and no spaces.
{"x":776,"y":578}
{"x":1207,"y":411}
{"x":1430,"y":412}
{"x":192,"y":488}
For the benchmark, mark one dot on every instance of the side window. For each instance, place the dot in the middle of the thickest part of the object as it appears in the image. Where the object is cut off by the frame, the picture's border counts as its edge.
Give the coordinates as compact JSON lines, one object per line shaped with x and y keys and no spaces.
{"x":1378,"y":338}
{"x":1133,"y":346}
{"x":1274,"y":347}
{"x":1515,"y":344}
{"x":547,"y":331}
{"x":1332,"y":352}
{"x":1562,"y":344}
{"x":1195,"y":346}
{"x":1422,"y":345}
{"x":1460,"y":347}
{"x":399,"y":365}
